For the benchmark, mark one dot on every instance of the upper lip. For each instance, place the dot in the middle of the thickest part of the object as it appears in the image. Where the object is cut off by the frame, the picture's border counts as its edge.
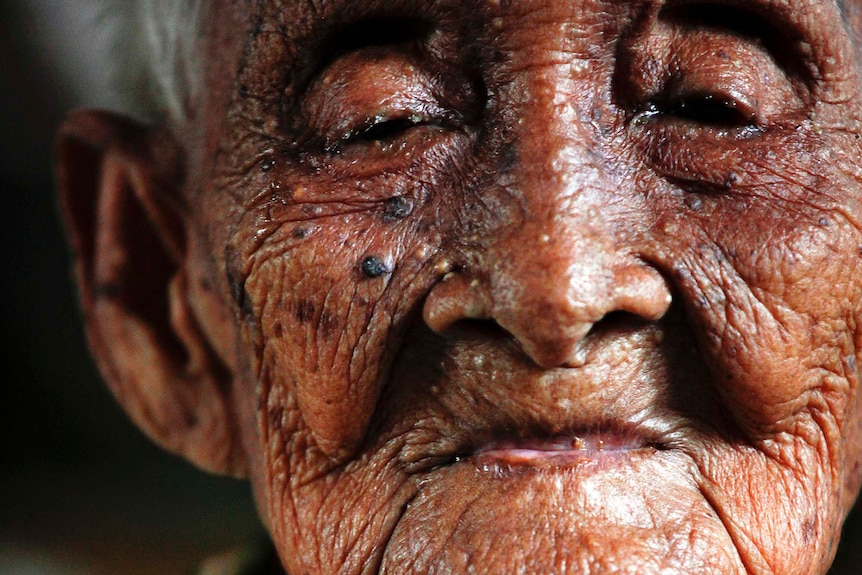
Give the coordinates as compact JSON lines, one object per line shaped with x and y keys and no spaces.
{"x":456,"y":440}
{"x":505,"y":402}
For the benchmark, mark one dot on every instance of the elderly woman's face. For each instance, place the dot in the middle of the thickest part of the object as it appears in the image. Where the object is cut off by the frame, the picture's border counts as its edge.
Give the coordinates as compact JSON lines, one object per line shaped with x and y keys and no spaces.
{"x":538,"y":287}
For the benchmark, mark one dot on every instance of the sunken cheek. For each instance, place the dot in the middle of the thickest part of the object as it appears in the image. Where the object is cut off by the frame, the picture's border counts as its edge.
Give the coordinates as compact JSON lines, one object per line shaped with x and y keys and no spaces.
{"x":331,"y":271}
{"x":769,"y":284}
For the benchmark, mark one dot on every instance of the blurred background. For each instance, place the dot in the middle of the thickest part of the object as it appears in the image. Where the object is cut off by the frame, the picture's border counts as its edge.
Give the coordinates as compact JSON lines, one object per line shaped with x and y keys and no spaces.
{"x":81,"y":491}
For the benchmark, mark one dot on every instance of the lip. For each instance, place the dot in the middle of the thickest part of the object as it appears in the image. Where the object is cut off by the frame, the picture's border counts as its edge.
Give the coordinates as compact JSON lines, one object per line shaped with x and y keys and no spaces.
{"x":562,"y":451}
{"x":503,"y":412}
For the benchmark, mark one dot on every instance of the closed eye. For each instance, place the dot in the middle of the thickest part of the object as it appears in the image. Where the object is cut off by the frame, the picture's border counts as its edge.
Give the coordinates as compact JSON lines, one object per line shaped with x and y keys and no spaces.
{"x":385,"y":129}
{"x":710,"y":110}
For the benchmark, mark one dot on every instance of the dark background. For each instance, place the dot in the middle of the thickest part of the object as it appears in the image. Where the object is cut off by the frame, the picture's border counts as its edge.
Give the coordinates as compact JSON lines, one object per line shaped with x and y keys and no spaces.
{"x":81,"y":491}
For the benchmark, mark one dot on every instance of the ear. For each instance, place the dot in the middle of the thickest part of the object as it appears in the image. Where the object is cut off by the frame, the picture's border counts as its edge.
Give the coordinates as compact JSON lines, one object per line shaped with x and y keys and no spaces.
{"x":121,"y":196}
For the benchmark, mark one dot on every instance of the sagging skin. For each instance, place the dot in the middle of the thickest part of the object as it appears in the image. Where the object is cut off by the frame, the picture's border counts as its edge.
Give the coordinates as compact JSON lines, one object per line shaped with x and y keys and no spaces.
{"x":498,"y":287}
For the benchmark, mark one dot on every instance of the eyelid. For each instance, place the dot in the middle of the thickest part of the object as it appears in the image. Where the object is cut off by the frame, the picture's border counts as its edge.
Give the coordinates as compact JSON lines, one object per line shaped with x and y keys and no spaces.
{"x":676,"y":60}
{"x":783,"y":29}
{"x":362,"y":89}
{"x":735,"y":89}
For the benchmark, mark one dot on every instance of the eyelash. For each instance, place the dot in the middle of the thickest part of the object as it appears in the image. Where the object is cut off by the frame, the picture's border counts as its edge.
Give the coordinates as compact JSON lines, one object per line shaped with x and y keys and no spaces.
{"x":384,"y":128}
{"x":704,"y":109}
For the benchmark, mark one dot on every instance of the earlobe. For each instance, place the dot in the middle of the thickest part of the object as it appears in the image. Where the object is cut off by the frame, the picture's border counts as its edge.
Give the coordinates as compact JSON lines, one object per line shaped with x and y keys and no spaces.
{"x":122,"y":202}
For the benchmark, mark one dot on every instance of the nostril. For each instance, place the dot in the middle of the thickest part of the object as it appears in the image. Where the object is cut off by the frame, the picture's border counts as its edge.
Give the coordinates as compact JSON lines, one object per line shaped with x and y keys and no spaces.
{"x":618,"y":320}
{"x":478,"y":329}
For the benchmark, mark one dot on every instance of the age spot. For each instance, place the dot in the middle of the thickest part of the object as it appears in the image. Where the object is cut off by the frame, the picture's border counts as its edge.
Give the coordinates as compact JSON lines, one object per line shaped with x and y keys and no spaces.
{"x":305,"y":311}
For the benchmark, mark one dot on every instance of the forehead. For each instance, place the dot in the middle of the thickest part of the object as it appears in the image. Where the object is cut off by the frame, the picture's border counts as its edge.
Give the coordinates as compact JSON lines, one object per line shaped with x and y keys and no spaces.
{"x":305,"y":12}
{"x":309,"y":24}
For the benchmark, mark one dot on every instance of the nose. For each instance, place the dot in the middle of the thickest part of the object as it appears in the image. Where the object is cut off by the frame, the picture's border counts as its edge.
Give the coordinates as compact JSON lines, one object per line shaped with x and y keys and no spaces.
{"x":574,"y":259}
{"x":548,"y":293}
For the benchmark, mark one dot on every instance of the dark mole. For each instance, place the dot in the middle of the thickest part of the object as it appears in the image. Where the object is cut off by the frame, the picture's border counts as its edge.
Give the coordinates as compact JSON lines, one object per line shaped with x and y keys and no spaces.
{"x":243,"y":91}
{"x":397,"y":208}
{"x":301,"y":232}
{"x":374,"y":267}
{"x":205,"y":285}
{"x":233,"y":273}
{"x":305,"y":311}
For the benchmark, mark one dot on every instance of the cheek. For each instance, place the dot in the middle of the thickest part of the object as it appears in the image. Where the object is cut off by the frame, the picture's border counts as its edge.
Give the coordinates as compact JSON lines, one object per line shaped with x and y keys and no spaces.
{"x":326,"y":319}
{"x":775,"y":316}
{"x":329,"y":303}
{"x":773,"y":301}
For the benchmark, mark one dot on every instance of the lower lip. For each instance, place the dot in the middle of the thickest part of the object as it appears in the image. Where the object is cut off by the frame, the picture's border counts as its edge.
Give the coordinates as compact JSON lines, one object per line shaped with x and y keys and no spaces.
{"x":559,"y":452}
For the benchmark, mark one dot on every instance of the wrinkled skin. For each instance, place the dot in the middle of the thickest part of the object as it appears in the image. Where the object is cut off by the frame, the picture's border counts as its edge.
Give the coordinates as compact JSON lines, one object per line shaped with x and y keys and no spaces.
{"x":534,"y":287}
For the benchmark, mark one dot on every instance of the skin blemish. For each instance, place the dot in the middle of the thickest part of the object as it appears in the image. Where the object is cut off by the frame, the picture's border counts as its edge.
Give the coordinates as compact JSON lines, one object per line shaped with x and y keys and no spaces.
{"x":731,"y":181}
{"x":508,"y":157}
{"x":278,"y":330}
{"x":808,"y":530}
{"x":267,"y":165}
{"x":374,"y":267}
{"x":423,"y":251}
{"x":444,"y":267}
{"x":305,"y":311}
{"x":397,"y":208}
{"x":327,"y":324}
{"x":694,"y":202}
{"x":301,"y":232}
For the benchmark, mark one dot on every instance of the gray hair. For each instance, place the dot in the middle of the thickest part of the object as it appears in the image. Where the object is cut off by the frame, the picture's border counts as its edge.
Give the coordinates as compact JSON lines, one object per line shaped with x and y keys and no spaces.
{"x":133,"y":56}
{"x":158,"y":72}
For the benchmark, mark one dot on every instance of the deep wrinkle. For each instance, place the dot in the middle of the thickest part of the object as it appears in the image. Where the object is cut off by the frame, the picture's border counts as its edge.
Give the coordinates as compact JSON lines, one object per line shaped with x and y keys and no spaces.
{"x":588,"y":340}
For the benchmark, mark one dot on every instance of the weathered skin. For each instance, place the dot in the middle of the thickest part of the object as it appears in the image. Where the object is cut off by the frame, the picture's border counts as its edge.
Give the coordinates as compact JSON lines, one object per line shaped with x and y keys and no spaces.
{"x":514,"y":287}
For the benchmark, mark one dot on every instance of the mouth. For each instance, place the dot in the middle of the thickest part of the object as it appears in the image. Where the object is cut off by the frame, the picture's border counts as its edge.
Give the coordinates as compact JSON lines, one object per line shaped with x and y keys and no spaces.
{"x":569,"y":451}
